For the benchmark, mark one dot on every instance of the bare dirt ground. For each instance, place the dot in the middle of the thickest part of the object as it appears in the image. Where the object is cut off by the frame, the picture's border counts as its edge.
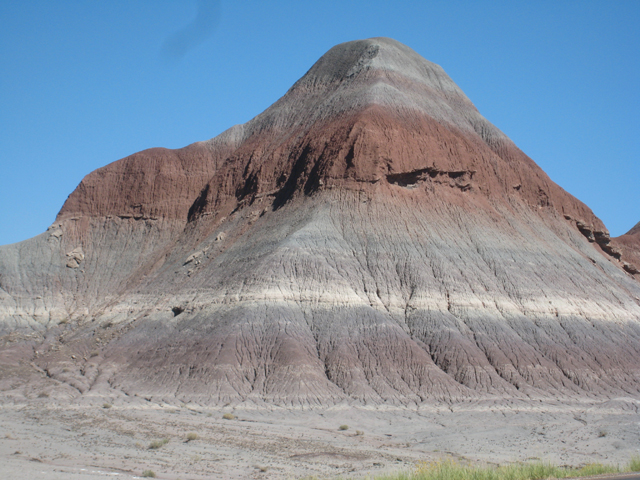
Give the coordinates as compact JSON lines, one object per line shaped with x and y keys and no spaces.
{"x":44,"y":439}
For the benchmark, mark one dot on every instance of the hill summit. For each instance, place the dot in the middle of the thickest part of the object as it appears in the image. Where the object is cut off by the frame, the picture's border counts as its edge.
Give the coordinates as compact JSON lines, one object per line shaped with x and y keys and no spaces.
{"x":369,"y":238}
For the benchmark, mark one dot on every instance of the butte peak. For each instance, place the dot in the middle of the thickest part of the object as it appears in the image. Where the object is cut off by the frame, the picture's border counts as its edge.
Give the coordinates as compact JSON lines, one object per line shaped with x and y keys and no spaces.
{"x":380,"y":59}
{"x":354,"y":76}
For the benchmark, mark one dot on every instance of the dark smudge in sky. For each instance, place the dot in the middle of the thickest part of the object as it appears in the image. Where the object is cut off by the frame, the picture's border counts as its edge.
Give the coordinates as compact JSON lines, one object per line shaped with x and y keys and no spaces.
{"x":196,"y":32}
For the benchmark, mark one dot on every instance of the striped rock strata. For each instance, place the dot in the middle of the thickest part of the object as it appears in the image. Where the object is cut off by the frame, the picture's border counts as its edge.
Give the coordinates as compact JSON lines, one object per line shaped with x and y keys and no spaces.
{"x":370,"y":237}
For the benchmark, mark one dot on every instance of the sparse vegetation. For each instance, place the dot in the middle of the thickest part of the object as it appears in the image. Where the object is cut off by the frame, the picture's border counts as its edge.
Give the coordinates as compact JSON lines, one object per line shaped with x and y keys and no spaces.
{"x":343,"y":427}
{"x":158,"y":443}
{"x":452,"y":470}
{"x":106,"y":405}
{"x":192,"y":436}
{"x":94,"y":354}
{"x":43,"y":395}
{"x":229,"y":416}
{"x":359,"y":432}
{"x":149,"y":474}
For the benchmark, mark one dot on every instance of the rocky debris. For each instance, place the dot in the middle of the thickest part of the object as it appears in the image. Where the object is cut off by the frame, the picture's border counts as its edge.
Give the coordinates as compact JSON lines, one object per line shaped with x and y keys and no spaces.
{"x":601,"y":237}
{"x":195,"y":258}
{"x":55,"y":231}
{"x":459,"y":179}
{"x":75,"y":257}
{"x":629,"y":247}
{"x":370,"y":238}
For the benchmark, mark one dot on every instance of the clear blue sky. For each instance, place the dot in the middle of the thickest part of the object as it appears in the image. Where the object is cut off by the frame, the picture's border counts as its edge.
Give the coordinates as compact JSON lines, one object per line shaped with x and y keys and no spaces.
{"x":84,"y":83}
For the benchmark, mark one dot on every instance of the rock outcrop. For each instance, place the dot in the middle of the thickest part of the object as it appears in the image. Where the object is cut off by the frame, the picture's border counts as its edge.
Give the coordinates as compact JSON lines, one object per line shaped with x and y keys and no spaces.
{"x":370,"y":237}
{"x":629,"y":247}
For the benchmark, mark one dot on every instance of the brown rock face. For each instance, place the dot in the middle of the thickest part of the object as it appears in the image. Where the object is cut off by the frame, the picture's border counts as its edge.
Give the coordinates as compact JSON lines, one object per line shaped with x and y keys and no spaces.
{"x":152,"y":184}
{"x":370,"y":237}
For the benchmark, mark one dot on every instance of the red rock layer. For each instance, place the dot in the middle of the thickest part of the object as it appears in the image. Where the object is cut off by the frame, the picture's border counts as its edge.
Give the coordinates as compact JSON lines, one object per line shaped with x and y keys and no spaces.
{"x":378,"y":145}
{"x":155,"y":183}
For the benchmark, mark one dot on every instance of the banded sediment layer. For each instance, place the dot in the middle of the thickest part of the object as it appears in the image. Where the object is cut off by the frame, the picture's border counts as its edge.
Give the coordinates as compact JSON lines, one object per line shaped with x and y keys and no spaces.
{"x":369,"y":238}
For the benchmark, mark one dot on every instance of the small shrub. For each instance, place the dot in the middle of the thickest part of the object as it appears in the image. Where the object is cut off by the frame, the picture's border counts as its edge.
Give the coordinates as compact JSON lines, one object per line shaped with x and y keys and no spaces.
{"x":602,"y":433}
{"x":192,"y":436}
{"x":106,"y":405}
{"x":229,"y":416}
{"x":343,"y":427}
{"x":149,"y":474}
{"x":94,"y":354}
{"x":43,"y":395}
{"x":158,"y":443}
{"x":634,"y":464}
{"x":359,"y":432}
{"x":262,"y":469}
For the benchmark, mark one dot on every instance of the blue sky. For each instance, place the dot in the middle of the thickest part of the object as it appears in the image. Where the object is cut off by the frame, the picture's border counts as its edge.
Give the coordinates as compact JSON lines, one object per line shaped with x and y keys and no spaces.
{"x":84,"y":83}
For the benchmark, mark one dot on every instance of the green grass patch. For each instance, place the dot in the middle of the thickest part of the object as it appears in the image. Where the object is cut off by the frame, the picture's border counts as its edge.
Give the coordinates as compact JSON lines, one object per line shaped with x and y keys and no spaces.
{"x":452,"y":470}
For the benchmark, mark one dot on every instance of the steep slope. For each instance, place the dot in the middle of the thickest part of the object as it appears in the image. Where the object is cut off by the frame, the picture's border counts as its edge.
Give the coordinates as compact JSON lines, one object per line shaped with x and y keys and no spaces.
{"x":370,"y":237}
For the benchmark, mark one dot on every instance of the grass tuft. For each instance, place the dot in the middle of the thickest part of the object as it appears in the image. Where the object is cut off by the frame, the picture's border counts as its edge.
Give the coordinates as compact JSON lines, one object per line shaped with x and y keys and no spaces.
{"x":634,"y":464}
{"x":343,"y":427}
{"x":158,"y":443}
{"x":229,"y":416}
{"x":192,"y":436}
{"x":149,"y":474}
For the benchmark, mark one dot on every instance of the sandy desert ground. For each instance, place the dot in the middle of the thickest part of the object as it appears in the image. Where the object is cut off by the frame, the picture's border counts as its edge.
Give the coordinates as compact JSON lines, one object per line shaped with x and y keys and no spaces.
{"x":44,"y":439}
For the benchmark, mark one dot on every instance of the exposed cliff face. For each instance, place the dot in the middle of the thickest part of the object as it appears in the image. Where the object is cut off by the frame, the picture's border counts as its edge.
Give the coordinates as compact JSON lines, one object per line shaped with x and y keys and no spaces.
{"x":369,"y":237}
{"x":153,"y":184}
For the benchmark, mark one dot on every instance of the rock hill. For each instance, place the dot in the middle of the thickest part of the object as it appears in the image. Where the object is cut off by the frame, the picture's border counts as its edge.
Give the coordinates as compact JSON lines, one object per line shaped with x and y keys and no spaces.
{"x":370,"y":237}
